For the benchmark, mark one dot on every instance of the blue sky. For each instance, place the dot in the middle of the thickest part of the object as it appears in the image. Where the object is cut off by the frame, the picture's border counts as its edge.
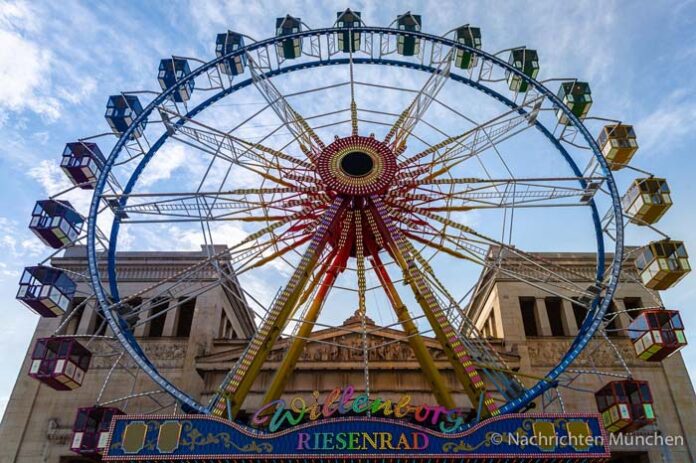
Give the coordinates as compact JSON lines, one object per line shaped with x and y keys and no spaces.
{"x":60,"y":60}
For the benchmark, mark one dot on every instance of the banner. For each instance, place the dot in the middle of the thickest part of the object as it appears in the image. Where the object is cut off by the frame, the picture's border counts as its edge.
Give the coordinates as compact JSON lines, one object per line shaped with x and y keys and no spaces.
{"x":566,"y":437}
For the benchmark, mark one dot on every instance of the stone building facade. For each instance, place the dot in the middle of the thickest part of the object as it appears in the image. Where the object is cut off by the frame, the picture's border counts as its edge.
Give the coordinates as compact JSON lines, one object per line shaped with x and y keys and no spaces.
{"x":530,"y":329}
{"x":37,"y":425}
{"x":538,"y":328}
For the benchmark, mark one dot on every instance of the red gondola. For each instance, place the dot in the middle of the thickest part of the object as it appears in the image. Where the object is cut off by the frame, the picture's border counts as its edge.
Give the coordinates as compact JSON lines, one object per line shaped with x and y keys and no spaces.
{"x":91,"y":429}
{"x":60,"y":363}
{"x":625,"y":405}
{"x":657,"y":334}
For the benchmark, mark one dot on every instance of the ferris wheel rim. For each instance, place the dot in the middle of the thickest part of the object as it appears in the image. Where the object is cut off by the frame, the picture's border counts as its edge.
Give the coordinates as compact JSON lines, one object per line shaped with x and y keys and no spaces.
{"x":586,"y":331}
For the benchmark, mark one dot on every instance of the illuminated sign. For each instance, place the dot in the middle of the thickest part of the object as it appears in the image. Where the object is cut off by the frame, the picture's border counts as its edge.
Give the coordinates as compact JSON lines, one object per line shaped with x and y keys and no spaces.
{"x":568,"y":437}
{"x":340,"y":402}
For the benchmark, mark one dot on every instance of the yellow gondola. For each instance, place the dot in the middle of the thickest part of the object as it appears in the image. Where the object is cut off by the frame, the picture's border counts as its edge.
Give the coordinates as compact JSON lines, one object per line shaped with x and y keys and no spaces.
{"x":646,"y":200}
{"x":662,"y":264}
{"x":618,"y":144}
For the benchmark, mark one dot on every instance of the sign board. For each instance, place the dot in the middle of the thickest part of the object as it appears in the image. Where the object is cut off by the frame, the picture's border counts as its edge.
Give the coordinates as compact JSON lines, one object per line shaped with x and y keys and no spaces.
{"x":568,"y":437}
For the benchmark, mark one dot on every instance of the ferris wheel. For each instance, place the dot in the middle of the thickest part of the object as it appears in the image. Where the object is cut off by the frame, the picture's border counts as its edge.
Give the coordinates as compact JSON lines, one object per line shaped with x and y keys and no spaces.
{"x":364,"y":192}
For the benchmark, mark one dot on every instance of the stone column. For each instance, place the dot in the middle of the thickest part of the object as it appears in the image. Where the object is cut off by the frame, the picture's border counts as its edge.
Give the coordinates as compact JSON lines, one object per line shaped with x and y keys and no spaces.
{"x":570,"y":326}
{"x":623,"y":320}
{"x":510,"y":319}
{"x":542,"y":317}
{"x":171,"y":317}
{"x":141,"y":328}
{"x":89,"y":320}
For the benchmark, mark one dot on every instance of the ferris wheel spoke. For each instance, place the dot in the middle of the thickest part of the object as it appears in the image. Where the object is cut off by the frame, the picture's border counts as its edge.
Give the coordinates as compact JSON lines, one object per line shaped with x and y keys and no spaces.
{"x":318,"y":291}
{"x":413,"y":335}
{"x":459,"y":148}
{"x":230,"y":256}
{"x":353,"y":105}
{"x":546,"y":281}
{"x":433,"y":195}
{"x":309,"y":141}
{"x":279,"y":244}
{"x":237,"y":205}
{"x":231,"y":148}
{"x":188,"y":286}
{"x":533,"y":268}
{"x":268,"y":163}
{"x":483,"y":353}
{"x":406,"y":122}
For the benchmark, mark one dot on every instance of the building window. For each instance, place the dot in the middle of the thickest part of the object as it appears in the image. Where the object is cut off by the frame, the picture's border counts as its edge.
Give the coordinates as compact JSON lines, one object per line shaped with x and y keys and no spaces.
{"x":490,"y":326}
{"x":77,"y":308}
{"x":135,"y":304}
{"x":158,"y":312}
{"x":528,"y":307}
{"x":554,"y":310}
{"x":580,"y":312}
{"x":611,"y":328}
{"x":632,"y":303}
{"x":100,"y":324}
{"x":185,"y":319}
{"x":226,"y":329}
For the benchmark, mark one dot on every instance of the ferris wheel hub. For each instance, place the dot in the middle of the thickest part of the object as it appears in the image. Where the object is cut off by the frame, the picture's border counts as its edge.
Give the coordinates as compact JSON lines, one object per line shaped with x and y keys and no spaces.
{"x":357,"y":166}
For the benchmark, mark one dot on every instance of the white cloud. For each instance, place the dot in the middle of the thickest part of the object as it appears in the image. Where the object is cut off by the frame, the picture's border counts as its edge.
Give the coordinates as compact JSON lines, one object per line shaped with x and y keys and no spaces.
{"x":665,"y":127}
{"x":16,"y":246}
{"x":163,"y":164}
{"x":25,"y":76}
{"x":50,"y":176}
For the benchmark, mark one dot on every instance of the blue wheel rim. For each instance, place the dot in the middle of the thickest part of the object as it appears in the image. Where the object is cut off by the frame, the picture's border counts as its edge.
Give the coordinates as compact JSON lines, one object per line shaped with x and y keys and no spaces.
{"x":592,"y":321}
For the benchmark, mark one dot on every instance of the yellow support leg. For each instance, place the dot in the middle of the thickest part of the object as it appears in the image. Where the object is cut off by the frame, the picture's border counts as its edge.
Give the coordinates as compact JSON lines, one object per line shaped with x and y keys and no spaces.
{"x":464,"y":368}
{"x":297,"y":346}
{"x":239,"y":381}
{"x":437,"y":382}
{"x":329,"y":272}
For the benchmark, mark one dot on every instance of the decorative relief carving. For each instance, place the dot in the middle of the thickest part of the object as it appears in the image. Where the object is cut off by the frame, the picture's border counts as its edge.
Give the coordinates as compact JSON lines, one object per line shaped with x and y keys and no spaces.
{"x":147,"y":272}
{"x":164,"y":353}
{"x":351,"y":349}
{"x":599,"y":353}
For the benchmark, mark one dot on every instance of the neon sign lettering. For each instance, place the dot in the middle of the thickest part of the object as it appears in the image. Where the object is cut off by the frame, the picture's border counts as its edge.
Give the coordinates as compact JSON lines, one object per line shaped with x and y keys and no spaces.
{"x":361,"y":441}
{"x":279,"y":413}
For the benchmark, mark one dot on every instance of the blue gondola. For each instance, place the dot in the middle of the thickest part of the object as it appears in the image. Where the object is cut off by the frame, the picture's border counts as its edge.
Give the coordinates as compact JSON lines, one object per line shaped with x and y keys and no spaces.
{"x":46,"y":290}
{"x":348,"y":19}
{"x":121,"y":110}
{"x":170,"y":71}
{"x":82,"y":162}
{"x":290,"y":48}
{"x":55,"y":222}
{"x":226,"y":44}
{"x":408,"y":45}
